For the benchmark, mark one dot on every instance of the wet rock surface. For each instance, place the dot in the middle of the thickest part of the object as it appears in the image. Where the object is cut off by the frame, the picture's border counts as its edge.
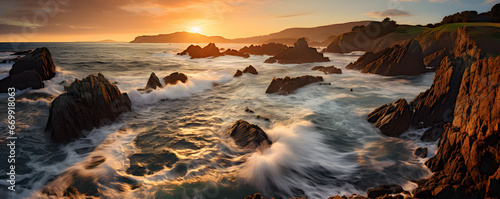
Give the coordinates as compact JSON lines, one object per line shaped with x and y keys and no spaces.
{"x":299,"y":53}
{"x":285,"y":86}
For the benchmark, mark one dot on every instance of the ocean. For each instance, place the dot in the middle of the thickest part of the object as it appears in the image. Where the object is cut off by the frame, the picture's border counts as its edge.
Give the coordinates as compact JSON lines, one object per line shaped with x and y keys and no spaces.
{"x":322,"y":143}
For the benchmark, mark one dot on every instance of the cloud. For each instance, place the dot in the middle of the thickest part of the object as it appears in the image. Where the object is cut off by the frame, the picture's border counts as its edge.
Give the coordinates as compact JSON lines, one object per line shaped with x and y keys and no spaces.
{"x":491,"y":1}
{"x":292,"y":15}
{"x":388,"y":13}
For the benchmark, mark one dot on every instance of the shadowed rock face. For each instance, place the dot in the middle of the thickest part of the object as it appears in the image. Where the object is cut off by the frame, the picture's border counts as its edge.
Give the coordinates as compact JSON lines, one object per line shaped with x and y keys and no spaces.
{"x":20,"y":81}
{"x":328,"y":69}
{"x":392,"y":119}
{"x":400,"y":59}
{"x":238,"y":73}
{"x":299,"y":53}
{"x":250,"y":69}
{"x":88,"y":103}
{"x":174,"y":78}
{"x":196,"y":51}
{"x":248,"y":135}
{"x":433,"y":60}
{"x":266,"y":49}
{"x":153,"y":82}
{"x":285,"y":86}
{"x":40,"y":60}
{"x":236,"y":53}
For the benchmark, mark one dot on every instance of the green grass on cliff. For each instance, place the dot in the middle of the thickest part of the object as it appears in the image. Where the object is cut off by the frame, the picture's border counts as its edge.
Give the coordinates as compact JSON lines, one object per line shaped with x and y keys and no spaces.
{"x":410,"y":30}
{"x":454,"y":26}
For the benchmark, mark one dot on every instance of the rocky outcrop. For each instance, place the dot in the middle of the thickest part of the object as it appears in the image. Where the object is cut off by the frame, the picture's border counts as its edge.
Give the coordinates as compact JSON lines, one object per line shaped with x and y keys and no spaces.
{"x":299,"y":53}
{"x":196,"y":51}
{"x":39,"y":60}
{"x":328,"y":69}
{"x":153,"y":82}
{"x":236,"y":53}
{"x":250,"y":69}
{"x":285,"y":86}
{"x":420,"y":152}
{"x":400,"y":59}
{"x":248,"y":135}
{"x":264,"y":49}
{"x":238,"y":73}
{"x":384,"y":190}
{"x":392,"y":119}
{"x":20,"y":81}
{"x":24,"y":52}
{"x":87,"y":103}
{"x":433,"y":60}
{"x":174,"y":78}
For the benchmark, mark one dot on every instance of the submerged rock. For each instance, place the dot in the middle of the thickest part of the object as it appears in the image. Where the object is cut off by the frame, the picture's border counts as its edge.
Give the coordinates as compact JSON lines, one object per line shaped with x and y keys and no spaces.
{"x":328,"y":69}
{"x":266,"y":49}
{"x":392,"y":119}
{"x":174,"y":78}
{"x":20,"y":81}
{"x":238,"y":73}
{"x":88,"y":103}
{"x":39,"y":60}
{"x":299,"y":53}
{"x":420,"y":152}
{"x":153,"y":82}
{"x":285,"y":86}
{"x":400,"y":59}
{"x":250,"y":69}
{"x":248,"y":135}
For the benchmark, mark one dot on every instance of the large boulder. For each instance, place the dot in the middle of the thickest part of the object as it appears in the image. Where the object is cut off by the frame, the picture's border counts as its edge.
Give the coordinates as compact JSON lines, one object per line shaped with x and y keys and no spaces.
{"x":248,"y":135}
{"x":174,"y":78}
{"x":196,"y":51}
{"x":299,"y":53}
{"x":392,"y":119}
{"x":236,"y":53}
{"x":20,"y":81}
{"x":40,"y":60}
{"x":250,"y":69}
{"x":285,"y":86}
{"x":153,"y":82}
{"x":88,"y":103}
{"x":238,"y":73}
{"x":264,"y":49}
{"x":328,"y":69}
{"x":400,"y":59}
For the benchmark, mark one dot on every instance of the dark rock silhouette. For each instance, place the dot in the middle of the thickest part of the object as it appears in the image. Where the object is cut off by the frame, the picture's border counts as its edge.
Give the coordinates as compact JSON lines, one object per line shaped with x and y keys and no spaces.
{"x":248,"y":135}
{"x":20,"y":81}
{"x":299,"y":53}
{"x":392,"y":119}
{"x":196,"y":51}
{"x":153,"y":82}
{"x":264,"y":49}
{"x":40,"y":60}
{"x":236,"y":53}
{"x":384,"y":190}
{"x":433,"y":134}
{"x":328,"y":69}
{"x":87,"y":103}
{"x":250,"y":69}
{"x":400,"y":59}
{"x":174,"y":78}
{"x":433,"y":60}
{"x":420,"y":152}
{"x":285,"y":86}
{"x":238,"y":73}
{"x":24,"y":52}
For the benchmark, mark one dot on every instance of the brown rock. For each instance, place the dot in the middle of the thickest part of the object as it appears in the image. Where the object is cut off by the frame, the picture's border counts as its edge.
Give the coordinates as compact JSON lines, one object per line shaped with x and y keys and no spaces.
{"x":238,"y":73}
{"x":196,"y":51}
{"x":255,"y":196}
{"x":433,"y":60}
{"x":250,"y":69}
{"x":236,"y":53}
{"x":328,"y":69}
{"x":21,"y":81}
{"x":433,"y":134}
{"x":88,"y":103}
{"x":153,"y":82}
{"x":285,"y":86}
{"x":266,"y":49}
{"x":392,"y":119}
{"x":383,"y":190}
{"x":24,"y":52}
{"x":248,"y":135}
{"x":40,"y":60}
{"x":299,"y":53}
{"x":403,"y":58}
{"x":420,"y":152}
{"x":174,"y":78}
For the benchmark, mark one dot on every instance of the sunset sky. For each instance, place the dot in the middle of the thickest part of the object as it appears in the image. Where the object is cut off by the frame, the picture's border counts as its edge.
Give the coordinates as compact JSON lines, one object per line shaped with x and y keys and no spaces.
{"x":122,"y":20}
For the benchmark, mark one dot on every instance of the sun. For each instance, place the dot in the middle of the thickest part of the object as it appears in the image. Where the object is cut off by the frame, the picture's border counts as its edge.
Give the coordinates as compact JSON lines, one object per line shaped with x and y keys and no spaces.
{"x":195,"y":29}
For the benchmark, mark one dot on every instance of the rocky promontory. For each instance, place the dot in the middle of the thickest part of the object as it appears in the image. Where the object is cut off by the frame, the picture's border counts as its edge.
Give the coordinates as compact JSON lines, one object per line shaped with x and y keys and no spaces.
{"x":392,"y":119}
{"x":298,"y":54}
{"x":87,"y":103}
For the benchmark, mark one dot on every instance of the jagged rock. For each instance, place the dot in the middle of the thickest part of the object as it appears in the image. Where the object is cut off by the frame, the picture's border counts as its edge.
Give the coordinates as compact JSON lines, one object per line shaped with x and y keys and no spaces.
{"x":250,"y":69}
{"x":238,"y":73}
{"x":420,"y":152}
{"x":248,"y":135}
{"x":433,"y":60}
{"x":88,"y":103}
{"x":24,"y":52}
{"x":174,"y":78}
{"x":400,"y":59}
{"x":383,"y":190}
{"x":392,"y":119}
{"x":40,"y":60}
{"x":285,"y":86}
{"x":266,"y":49}
{"x":236,"y":53}
{"x":299,"y":53}
{"x":196,"y":51}
{"x":21,"y":81}
{"x":433,"y":134}
{"x":153,"y":82}
{"x":328,"y":69}
{"x":255,"y":196}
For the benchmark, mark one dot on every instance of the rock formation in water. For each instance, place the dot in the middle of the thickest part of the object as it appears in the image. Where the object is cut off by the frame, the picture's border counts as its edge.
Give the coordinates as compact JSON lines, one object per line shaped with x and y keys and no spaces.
{"x":236,"y":53}
{"x":299,"y":53}
{"x":174,"y":78}
{"x":250,"y":69}
{"x":392,"y":119}
{"x":153,"y":82}
{"x":328,"y":69}
{"x":285,"y":86}
{"x":248,"y":135}
{"x":196,"y":51}
{"x":40,"y":60}
{"x":400,"y":59}
{"x":87,"y":103}
{"x":20,"y":81}
{"x":238,"y":73}
{"x":264,"y":49}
